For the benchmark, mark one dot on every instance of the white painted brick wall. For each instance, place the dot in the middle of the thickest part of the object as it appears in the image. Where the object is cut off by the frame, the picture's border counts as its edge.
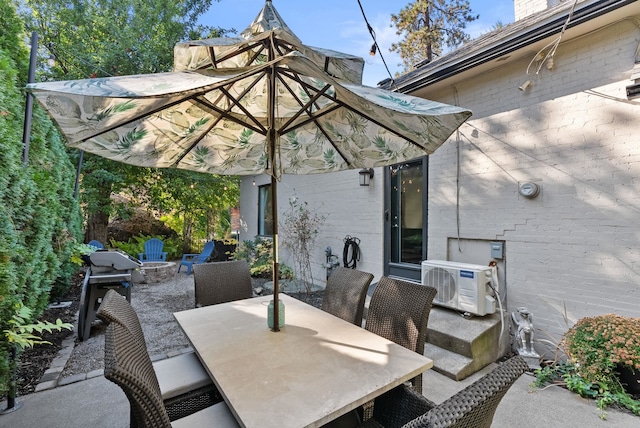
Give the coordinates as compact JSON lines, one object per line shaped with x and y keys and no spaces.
{"x":349,"y":210}
{"x":575,"y":248}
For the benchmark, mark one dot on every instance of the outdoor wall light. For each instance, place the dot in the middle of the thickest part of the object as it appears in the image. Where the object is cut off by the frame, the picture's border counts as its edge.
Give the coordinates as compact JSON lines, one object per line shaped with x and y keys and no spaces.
{"x":525,"y":85}
{"x":366,"y":175}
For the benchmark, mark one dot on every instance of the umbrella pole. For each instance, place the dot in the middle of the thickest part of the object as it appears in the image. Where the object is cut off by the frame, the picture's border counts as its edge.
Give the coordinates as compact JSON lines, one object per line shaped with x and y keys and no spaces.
{"x":271,"y":143}
{"x":276,"y":269}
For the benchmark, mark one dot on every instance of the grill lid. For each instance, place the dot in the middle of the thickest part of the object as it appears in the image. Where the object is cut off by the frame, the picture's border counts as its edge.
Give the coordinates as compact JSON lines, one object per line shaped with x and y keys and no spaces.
{"x":114,"y":259}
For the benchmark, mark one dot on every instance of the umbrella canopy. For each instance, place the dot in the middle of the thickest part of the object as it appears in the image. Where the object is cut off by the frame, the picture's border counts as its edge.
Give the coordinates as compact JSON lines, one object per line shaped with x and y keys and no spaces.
{"x":283,"y":115}
{"x":266,"y":36}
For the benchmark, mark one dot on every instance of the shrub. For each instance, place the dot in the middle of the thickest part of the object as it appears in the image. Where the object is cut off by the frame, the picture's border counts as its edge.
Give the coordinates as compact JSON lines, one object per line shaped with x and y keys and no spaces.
{"x":134,"y":246}
{"x":259,"y":255}
{"x":595,"y":346}
{"x":40,"y":220}
{"x":299,"y":231}
{"x":598,"y":344}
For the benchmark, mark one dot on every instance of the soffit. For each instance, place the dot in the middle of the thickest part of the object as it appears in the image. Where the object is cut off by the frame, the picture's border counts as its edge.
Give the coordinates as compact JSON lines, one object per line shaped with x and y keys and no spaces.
{"x":511,"y":43}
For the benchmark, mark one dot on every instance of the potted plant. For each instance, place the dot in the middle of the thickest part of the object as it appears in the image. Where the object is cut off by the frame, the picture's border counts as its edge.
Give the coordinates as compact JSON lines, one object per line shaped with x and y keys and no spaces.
{"x":605,"y":347}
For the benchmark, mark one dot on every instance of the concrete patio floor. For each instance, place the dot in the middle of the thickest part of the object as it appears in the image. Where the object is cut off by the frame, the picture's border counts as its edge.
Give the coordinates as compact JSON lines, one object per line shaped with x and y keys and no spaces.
{"x":98,"y":403}
{"x":90,"y":400}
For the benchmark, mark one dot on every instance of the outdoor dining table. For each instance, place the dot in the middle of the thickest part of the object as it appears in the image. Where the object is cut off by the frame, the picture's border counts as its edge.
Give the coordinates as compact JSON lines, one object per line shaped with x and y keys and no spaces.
{"x":315,"y":369}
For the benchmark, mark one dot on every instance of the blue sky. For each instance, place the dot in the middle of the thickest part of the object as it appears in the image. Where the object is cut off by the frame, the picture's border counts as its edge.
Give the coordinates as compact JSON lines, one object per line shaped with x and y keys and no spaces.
{"x":339,"y":25}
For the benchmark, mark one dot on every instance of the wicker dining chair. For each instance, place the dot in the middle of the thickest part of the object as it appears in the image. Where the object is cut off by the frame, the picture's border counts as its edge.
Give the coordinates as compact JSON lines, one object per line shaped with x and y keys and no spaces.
{"x":345,"y":294}
{"x":127,"y":364}
{"x":221,"y":282}
{"x":399,"y":311}
{"x":472,"y":407}
{"x":185,"y":385}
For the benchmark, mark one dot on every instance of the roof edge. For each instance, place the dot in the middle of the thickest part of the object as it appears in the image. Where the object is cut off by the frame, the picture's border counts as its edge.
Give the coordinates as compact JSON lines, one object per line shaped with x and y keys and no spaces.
{"x":545,"y":26}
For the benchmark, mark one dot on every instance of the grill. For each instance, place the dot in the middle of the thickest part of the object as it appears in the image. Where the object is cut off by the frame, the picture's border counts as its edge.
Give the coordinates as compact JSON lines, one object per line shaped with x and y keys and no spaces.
{"x":108,"y":270}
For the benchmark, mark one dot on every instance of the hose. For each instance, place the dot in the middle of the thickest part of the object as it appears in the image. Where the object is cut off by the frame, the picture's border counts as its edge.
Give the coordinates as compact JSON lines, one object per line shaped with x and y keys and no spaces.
{"x":351,"y":252}
{"x":494,"y":281}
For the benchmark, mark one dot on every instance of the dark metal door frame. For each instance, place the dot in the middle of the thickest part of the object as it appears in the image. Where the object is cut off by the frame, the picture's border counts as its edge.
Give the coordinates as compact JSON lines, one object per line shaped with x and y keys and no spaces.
{"x":392,"y":196}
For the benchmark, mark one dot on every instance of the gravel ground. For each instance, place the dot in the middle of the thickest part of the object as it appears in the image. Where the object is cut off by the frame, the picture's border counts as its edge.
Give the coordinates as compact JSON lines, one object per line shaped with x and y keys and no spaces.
{"x":155,"y":305}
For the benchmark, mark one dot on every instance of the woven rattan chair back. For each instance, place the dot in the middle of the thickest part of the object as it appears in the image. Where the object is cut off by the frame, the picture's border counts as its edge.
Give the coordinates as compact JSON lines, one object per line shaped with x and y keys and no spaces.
{"x":115,"y":308}
{"x":345,"y":294}
{"x":127,"y":364}
{"x":221,"y":282}
{"x":399,"y":311}
{"x":472,"y":407}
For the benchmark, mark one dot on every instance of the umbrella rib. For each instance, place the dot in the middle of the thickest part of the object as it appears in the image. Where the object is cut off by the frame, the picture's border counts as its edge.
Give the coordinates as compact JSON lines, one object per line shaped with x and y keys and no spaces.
{"x":283,"y":48}
{"x":296,"y":77}
{"x":243,"y":108}
{"x":196,"y":141}
{"x":305,"y":107}
{"x":312,"y":118}
{"x":253,"y":57}
{"x":263,"y":44}
{"x":391,"y":130}
{"x":227,"y":115}
{"x":138,"y":117}
{"x":212,"y":56}
{"x":346,"y":106}
{"x":236,"y":53}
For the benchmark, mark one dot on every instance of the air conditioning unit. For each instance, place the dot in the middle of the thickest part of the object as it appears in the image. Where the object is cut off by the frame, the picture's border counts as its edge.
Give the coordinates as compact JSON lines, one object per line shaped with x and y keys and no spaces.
{"x":461,"y":286}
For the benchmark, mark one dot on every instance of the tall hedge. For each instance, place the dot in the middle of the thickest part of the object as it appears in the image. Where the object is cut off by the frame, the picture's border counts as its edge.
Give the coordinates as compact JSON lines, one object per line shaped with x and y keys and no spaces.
{"x":40,"y":221}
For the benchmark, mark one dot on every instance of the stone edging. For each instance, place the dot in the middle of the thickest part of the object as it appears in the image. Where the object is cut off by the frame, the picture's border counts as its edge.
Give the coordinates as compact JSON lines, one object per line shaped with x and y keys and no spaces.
{"x":52,"y":377}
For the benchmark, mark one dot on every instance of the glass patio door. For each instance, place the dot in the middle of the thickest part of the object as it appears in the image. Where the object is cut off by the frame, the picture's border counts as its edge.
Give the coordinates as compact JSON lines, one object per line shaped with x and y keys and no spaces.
{"x":406,"y":218}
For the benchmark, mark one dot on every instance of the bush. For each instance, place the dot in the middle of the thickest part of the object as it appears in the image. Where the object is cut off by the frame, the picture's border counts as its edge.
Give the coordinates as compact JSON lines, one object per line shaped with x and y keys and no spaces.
{"x":598,"y":344}
{"x":595,"y":347}
{"x":259,"y":255}
{"x":135,"y":246}
{"x":40,"y":220}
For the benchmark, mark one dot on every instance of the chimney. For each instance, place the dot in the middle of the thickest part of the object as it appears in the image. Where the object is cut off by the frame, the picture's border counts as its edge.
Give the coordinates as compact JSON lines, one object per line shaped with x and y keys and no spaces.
{"x":524,"y":8}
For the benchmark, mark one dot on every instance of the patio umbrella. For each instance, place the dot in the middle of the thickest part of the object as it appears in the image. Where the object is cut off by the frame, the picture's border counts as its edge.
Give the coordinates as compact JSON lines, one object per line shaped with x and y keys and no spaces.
{"x":283,"y":115}
{"x":268,"y":32}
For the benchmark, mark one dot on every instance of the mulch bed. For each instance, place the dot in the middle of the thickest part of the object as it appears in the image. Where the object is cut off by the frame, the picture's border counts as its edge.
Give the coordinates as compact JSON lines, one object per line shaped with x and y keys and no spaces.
{"x":33,"y":362}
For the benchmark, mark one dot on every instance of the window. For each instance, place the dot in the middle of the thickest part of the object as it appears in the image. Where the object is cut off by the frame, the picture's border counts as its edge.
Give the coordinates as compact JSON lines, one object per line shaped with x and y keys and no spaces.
{"x":265,"y":218}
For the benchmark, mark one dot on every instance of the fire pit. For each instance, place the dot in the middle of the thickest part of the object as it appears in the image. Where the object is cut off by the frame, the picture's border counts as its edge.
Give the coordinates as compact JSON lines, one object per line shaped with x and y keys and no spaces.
{"x":155,"y":272}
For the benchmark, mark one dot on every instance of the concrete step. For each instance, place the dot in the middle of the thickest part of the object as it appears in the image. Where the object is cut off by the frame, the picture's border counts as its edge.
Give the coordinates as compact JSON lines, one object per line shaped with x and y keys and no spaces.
{"x":460,"y":346}
{"x":450,"y":364}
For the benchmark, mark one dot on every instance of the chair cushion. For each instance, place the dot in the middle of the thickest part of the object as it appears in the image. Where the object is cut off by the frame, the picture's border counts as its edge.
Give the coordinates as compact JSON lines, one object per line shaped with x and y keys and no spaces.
{"x":218,"y":416}
{"x":180,"y":374}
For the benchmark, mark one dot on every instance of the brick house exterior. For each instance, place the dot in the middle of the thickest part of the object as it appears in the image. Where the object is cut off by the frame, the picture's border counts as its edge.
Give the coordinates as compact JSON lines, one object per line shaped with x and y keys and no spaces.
{"x":572,"y":251}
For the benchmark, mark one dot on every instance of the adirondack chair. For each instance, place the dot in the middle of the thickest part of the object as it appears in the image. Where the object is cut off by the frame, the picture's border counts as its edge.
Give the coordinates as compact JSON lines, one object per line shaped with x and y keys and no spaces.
{"x":96,"y":244}
{"x":153,"y":251}
{"x":189,"y":260}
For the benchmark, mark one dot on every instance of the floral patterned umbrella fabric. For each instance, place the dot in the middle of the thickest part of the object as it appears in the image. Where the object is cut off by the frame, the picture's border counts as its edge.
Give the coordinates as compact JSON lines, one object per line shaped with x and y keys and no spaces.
{"x":219,"y":121}
{"x":267,"y":33}
{"x":283,"y":114}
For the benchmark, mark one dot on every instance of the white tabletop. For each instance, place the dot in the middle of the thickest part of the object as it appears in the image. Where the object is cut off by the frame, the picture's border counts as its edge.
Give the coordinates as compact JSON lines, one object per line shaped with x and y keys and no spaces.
{"x":316,"y":368}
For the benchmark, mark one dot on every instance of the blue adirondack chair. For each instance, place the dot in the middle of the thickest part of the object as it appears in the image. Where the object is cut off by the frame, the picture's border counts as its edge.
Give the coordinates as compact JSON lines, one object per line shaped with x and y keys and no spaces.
{"x":153,"y":251}
{"x":96,"y":244}
{"x":189,"y":260}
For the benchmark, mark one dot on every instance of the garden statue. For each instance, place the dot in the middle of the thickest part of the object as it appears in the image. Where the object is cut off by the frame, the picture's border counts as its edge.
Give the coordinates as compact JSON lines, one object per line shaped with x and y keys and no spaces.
{"x":523,"y":321}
